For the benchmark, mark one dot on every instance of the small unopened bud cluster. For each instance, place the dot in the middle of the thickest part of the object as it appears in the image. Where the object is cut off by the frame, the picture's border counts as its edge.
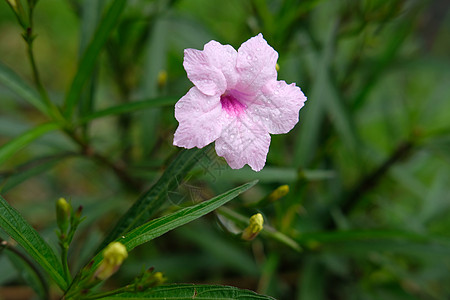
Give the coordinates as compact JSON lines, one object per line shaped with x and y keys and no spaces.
{"x":254,"y":228}
{"x":147,"y":280}
{"x":113,"y":256}
{"x":67,"y":220}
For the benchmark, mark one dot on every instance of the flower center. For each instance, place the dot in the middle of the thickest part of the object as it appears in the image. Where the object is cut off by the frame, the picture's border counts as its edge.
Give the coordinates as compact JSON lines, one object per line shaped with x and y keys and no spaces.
{"x":232,"y":105}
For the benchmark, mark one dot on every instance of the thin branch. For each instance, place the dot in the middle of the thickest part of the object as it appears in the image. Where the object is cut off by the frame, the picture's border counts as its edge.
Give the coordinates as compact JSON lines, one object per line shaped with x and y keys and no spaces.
{"x":371,"y":180}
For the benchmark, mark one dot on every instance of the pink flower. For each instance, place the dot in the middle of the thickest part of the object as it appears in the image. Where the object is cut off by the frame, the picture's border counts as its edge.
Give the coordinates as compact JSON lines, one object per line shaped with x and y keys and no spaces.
{"x":236,"y":102}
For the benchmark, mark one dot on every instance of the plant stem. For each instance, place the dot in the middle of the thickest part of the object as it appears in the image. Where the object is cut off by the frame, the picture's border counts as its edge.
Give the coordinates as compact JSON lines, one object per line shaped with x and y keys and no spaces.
{"x":64,"y":255}
{"x":108,"y":293}
{"x":266,"y":231}
{"x":54,"y":112}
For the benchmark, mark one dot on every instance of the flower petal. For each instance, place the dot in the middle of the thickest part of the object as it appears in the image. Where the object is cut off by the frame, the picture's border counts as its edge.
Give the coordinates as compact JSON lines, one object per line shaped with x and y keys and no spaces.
{"x":206,"y":77}
{"x":200,"y":119}
{"x":255,"y":63}
{"x":244,"y":142}
{"x":277,"y":106}
{"x":223,"y":57}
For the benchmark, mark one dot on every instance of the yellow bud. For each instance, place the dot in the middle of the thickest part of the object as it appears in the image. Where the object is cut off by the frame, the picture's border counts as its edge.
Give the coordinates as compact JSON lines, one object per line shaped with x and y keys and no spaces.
{"x":13,"y":3}
{"x":278,"y":193}
{"x":113,"y":256}
{"x":277,"y":67}
{"x":158,"y":278}
{"x":162,"y":79}
{"x":255,"y":226}
{"x":63,"y":210}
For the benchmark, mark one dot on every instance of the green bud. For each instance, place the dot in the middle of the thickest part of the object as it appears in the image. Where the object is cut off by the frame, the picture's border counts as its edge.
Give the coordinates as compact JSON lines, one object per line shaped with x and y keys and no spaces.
{"x":162,"y":79}
{"x":254,"y":228}
{"x":277,"y":194}
{"x":63,"y":211}
{"x":113,"y":256}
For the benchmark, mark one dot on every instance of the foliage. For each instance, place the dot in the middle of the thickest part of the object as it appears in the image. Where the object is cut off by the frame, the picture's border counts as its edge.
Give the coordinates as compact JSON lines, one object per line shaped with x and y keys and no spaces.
{"x":87,"y":91}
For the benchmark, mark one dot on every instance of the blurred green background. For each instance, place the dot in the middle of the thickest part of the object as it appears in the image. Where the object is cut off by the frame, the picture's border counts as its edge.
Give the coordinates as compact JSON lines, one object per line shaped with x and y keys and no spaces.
{"x":367,"y":165}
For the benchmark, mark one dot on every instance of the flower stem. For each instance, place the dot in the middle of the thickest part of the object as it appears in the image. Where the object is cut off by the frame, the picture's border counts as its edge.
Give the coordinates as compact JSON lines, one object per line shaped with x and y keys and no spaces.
{"x":64,"y":257}
{"x":108,"y":293}
{"x":29,"y":38}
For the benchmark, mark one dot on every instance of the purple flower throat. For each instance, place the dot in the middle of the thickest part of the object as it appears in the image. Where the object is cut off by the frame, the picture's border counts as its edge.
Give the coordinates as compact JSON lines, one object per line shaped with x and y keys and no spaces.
{"x":232,"y":105}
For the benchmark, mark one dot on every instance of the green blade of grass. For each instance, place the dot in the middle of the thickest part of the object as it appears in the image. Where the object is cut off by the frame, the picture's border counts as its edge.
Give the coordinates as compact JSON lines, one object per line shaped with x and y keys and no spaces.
{"x":149,"y":203}
{"x":162,"y":225}
{"x":11,"y":147}
{"x":91,"y":54}
{"x":25,"y":235}
{"x":16,"y":84}
{"x":34,"y":167}
{"x":129,"y":107}
{"x":191,"y":291}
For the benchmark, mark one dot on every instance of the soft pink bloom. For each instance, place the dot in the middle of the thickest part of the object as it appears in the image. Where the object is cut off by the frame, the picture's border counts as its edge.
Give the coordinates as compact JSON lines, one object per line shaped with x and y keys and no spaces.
{"x":236,"y":101}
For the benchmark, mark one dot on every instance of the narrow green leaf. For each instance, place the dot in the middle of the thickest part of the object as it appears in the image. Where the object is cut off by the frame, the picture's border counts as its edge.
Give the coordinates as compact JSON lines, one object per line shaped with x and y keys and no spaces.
{"x":16,"y":84}
{"x":129,"y":107}
{"x":160,"y":226}
{"x":25,"y":235}
{"x":87,"y":63}
{"x":191,"y":291}
{"x":363,"y":241}
{"x":314,"y":111}
{"x":149,"y":203}
{"x":156,"y":50}
{"x":29,"y":274}
{"x":11,"y":147}
{"x":269,"y":174}
{"x":30,"y":169}
{"x":312,"y":283}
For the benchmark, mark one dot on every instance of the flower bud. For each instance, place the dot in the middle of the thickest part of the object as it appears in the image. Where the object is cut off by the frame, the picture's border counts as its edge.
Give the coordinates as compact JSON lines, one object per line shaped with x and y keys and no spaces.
{"x":13,"y":3}
{"x":18,"y":10}
{"x":162,"y":79}
{"x":277,"y":194}
{"x":113,"y":256}
{"x":63,"y":210}
{"x":255,"y":226}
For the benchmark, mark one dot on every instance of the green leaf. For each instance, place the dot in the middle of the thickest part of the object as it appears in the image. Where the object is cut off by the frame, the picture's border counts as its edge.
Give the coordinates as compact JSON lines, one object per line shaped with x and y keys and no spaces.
{"x":312,"y":283}
{"x":314,"y":111}
{"x":149,"y":203}
{"x":160,"y":226}
{"x":269,"y":174}
{"x":29,"y":274}
{"x":16,"y":84}
{"x":191,"y":291}
{"x":87,"y":63}
{"x":25,"y":235}
{"x":364,"y":241}
{"x":8,"y":149}
{"x":129,"y":107}
{"x":30,"y":169}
